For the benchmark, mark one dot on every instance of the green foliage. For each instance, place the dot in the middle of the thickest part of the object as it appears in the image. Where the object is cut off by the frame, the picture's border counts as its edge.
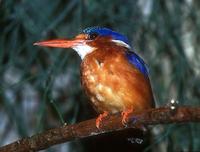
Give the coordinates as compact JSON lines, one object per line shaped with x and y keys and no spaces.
{"x":40,"y":87}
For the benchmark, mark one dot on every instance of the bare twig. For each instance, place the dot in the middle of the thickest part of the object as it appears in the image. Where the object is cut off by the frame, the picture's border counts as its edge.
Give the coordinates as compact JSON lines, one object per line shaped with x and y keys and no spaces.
{"x":87,"y":128}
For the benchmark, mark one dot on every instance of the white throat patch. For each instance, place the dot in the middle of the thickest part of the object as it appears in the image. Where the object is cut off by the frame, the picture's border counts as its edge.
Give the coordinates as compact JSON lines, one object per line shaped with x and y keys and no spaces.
{"x":83,"y":50}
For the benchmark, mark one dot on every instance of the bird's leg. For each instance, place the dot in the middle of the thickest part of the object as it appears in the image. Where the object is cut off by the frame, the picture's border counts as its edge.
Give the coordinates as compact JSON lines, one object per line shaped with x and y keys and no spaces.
{"x":100,"y":118}
{"x":134,"y":120}
{"x":125,"y":114}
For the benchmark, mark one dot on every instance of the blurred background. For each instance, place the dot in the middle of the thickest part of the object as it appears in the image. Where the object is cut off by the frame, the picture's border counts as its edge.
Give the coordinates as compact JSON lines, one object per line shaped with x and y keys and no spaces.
{"x":40,"y":87}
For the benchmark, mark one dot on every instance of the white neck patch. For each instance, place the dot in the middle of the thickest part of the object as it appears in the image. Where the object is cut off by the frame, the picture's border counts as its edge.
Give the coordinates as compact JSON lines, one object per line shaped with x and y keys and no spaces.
{"x":121,"y":43}
{"x":83,"y":50}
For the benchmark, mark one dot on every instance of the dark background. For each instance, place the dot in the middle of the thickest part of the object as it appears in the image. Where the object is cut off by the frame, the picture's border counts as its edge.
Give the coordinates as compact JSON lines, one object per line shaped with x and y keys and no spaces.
{"x":40,"y":87}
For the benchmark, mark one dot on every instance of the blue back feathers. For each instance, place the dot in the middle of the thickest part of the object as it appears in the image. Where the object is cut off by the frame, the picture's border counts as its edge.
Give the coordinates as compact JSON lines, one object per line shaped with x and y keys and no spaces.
{"x":102,"y":31}
{"x":131,"y":56}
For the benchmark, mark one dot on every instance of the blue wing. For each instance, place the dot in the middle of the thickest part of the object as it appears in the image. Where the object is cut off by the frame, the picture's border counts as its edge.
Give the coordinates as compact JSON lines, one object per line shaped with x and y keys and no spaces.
{"x":134,"y":59}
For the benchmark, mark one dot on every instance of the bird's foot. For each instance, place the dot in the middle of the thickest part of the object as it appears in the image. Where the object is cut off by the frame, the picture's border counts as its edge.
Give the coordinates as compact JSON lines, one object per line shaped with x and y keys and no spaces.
{"x":100,"y":118}
{"x":125,"y":115}
{"x":133,"y":121}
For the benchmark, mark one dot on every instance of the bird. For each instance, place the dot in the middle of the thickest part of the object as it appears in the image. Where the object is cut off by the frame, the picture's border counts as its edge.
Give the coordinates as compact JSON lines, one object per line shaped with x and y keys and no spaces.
{"x":114,"y":77}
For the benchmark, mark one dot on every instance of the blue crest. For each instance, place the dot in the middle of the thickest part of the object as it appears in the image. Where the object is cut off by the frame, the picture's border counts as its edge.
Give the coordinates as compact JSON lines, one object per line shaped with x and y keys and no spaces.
{"x":106,"y":32}
{"x":137,"y":62}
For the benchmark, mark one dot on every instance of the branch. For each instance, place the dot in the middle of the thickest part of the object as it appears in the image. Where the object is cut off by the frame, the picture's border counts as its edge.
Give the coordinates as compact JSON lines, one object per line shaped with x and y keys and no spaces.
{"x":163,"y":115}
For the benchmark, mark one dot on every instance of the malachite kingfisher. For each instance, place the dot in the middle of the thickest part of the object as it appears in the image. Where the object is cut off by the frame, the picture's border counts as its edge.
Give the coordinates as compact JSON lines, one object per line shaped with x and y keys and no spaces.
{"x":114,"y":77}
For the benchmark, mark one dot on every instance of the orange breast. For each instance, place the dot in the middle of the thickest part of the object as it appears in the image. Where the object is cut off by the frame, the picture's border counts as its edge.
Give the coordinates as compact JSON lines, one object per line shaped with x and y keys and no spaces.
{"x":113,"y":84}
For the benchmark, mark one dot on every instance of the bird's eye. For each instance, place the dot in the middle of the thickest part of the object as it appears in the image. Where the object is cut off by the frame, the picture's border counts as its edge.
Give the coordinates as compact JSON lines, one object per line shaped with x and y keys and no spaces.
{"x":92,"y":36}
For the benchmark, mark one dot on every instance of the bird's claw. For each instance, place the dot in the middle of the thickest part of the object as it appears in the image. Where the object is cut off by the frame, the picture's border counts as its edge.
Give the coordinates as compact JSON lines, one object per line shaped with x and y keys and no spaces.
{"x":100,"y":118}
{"x":125,"y":115}
{"x":134,"y":120}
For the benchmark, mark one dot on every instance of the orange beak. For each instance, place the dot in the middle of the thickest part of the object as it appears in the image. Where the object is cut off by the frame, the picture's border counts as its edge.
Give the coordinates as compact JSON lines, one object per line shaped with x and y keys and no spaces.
{"x":63,"y":43}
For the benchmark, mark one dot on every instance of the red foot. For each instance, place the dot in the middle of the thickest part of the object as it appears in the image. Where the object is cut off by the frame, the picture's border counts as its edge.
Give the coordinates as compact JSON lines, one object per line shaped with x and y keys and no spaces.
{"x":100,"y":118}
{"x":125,"y":115}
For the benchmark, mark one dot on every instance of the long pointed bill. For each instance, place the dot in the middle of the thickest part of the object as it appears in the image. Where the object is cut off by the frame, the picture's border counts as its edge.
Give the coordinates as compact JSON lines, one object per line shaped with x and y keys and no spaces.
{"x":61,"y":43}
{"x":79,"y":44}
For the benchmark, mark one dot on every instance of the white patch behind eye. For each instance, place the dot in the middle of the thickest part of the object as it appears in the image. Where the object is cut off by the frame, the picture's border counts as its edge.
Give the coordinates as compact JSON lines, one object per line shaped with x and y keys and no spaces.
{"x":121,"y":43}
{"x":83,"y":50}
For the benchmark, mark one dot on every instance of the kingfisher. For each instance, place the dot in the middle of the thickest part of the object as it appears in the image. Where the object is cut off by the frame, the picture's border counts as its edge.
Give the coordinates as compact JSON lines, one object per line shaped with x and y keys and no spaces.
{"x":114,"y":77}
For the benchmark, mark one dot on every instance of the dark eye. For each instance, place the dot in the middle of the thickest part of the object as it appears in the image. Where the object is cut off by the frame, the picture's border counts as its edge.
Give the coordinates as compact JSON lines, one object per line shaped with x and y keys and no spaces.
{"x":92,"y":36}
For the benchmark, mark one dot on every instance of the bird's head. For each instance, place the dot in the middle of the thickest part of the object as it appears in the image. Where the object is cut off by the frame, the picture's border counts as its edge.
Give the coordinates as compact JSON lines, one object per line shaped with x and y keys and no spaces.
{"x":89,"y":40}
